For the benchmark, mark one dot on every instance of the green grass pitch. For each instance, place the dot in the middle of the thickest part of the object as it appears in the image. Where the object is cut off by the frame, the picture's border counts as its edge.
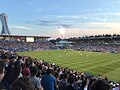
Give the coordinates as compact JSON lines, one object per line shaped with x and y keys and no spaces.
{"x":106,"y":64}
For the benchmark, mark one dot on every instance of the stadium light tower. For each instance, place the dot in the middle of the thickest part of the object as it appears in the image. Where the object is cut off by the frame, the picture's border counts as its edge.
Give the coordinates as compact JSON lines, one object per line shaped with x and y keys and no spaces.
{"x":5,"y":30}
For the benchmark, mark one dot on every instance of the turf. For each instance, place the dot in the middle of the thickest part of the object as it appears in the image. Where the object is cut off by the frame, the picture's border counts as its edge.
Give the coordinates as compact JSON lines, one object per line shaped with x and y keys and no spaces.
{"x":107,"y":64}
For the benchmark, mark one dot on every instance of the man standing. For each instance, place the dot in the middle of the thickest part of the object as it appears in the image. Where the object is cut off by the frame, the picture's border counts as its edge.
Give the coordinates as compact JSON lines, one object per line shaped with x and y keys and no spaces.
{"x":49,"y":81}
{"x":34,"y":79}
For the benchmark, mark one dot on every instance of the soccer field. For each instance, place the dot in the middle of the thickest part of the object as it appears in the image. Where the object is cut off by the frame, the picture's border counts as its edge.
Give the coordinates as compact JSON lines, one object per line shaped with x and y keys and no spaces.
{"x":106,"y":64}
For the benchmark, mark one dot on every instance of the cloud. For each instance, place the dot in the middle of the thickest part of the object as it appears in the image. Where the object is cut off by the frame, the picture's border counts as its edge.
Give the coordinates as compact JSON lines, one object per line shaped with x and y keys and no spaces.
{"x":42,"y":22}
{"x":97,"y":29}
{"x":99,"y":17}
{"x":50,"y":23}
{"x":65,"y":25}
{"x":95,"y":25}
{"x":21,"y":27}
{"x":73,"y":20}
{"x":69,"y":16}
{"x":78,"y":32}
{"x":111,"y":25}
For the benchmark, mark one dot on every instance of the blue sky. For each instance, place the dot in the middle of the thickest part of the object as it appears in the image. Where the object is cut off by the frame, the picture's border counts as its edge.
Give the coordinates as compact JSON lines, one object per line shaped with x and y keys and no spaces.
{"x":77,"y":17}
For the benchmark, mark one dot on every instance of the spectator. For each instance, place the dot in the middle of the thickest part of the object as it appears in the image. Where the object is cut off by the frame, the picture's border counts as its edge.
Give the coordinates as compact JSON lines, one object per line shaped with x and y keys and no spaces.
{"x":70,"y":85}
{"x":34,"y":79}
{"x":116,"y":87}
{"x":26,"y":70}
{"x":100,"y":84}
{"x":22,"y":83}
{"x":49,"y":81}
{"x":15,"y":72}
{"x":10,"y":70}
{"x":63,"y":82}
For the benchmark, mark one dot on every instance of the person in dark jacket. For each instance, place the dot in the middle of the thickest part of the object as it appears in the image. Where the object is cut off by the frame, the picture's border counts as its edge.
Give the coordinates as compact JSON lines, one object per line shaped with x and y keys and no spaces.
{"x":100,"y":84}
{"x":70,"y":85}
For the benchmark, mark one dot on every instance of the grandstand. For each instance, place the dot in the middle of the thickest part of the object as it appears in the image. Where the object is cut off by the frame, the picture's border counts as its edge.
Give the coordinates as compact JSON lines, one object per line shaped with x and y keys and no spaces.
{"x":104,"y":43}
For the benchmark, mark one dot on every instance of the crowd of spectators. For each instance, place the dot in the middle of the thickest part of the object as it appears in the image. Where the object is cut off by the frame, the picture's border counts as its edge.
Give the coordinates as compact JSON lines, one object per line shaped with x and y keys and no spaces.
{"x":26,"y":73}
{"x":87,"y":45}
{"x":97,"y":46}
{"x":14,"y":45}
{"x":99,"y":43}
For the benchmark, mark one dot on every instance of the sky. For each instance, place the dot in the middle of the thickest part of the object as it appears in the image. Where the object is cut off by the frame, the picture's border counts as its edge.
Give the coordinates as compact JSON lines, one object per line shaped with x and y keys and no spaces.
{"x":77,"y":17}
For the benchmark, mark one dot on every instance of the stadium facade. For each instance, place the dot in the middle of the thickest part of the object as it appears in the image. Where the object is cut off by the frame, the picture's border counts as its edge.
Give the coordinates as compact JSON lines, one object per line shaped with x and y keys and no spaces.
{"x":23,"y":38}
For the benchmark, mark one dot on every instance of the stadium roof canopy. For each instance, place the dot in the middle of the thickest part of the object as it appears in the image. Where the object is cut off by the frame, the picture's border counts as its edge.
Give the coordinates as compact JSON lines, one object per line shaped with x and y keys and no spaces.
{"x":24,"y":36}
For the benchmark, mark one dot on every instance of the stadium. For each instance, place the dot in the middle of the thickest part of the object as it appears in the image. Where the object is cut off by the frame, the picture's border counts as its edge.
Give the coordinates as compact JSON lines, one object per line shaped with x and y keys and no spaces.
{"x":38,"y":62}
